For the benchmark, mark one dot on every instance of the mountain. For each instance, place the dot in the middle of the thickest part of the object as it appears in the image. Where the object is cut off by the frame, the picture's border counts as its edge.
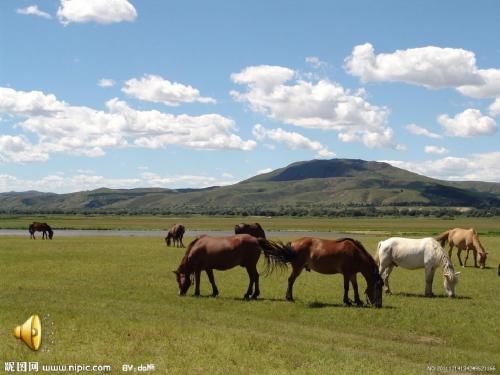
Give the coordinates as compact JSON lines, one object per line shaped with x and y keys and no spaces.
{"x":315,"y":183}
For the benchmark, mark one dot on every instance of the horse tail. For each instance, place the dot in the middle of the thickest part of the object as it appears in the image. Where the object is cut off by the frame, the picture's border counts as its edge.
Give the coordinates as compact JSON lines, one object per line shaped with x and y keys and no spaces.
{"x":443,"y":238}
{"x":277,"y":254}
{"x":377,"y":257}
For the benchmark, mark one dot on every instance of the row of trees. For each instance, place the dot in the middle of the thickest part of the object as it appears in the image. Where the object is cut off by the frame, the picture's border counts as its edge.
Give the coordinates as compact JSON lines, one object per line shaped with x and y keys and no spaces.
{"x":280,"y":211}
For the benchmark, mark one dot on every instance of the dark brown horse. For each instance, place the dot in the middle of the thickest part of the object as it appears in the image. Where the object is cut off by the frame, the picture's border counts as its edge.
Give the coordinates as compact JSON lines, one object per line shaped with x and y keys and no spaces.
{"x":207,"y":253}
{"x":176,"y":233}
{"x":345,"y":256}
{"x":40,"y":227}
{"x":252,"y":229}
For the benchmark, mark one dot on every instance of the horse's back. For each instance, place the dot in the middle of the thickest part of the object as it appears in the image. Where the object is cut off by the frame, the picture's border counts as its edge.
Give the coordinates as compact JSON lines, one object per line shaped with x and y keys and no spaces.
{"x":410,"y":253}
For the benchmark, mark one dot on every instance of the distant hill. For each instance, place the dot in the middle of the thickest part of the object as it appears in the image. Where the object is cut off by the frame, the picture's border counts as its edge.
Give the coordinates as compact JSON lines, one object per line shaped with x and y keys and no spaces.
{"x":315,"y":183}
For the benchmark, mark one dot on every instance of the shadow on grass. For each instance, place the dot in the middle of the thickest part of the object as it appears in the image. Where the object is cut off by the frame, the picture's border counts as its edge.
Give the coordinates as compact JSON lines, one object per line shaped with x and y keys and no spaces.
{"x":320,"y":305}
{"x":416,"y":295}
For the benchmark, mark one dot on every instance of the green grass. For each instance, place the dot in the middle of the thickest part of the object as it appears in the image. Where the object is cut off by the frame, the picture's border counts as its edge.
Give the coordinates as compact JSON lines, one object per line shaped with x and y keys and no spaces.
{"x":114,"y":301}
{"x":383,"y":225}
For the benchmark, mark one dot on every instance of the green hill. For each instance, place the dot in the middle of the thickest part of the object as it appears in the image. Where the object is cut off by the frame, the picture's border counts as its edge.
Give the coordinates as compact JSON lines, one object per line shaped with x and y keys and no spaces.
{"x":315,"y":183}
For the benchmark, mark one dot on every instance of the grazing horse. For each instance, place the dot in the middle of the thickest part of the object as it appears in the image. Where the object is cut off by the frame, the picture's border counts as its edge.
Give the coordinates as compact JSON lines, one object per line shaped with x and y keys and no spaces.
{"x":345,"y":256}
{"x":254,"y":229}
{"x":416,"y":253}
{"x":176,"y":233}
{"x":40,"y":227}
{"x":207,"y":253}
{"x":464,"y":239}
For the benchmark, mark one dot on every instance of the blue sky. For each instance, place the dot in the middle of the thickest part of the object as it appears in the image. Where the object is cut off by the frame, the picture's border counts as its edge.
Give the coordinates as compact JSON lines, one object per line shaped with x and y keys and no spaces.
{"x":200,"y":93}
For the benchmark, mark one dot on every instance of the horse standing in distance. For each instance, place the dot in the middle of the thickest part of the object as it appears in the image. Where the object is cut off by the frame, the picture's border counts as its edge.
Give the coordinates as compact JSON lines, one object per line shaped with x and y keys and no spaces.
{"x":254,"y":230}
{"x":40,"y":227}
{"x":207,"y":253}
{"x":175,"y":234}
{"x":413,"y":254}
{"x":345,"y":256}
{"x":464,"y":239}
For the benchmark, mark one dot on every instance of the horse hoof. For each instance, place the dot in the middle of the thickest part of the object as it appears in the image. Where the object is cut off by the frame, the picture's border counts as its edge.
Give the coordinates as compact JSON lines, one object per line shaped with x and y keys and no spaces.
{"x":359,"y":304}
{"x":290,"y":299}
{"x":214,"y":295}
{"x":246,"y":297}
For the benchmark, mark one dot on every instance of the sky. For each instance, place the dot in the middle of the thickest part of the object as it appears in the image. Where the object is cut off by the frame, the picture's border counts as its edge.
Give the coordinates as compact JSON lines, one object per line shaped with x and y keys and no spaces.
{"x":129,"y":93}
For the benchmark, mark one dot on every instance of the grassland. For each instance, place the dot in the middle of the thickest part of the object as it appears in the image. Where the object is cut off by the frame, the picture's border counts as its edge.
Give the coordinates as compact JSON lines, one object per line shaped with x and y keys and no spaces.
{"x":114,"y":301}
{"x":381,"y":225}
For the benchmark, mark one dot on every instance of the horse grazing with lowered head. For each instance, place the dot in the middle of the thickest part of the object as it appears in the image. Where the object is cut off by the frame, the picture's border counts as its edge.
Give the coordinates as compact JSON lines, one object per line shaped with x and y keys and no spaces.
{"x":207,"y":253}
{"x":413,"y":254}
{"x":464,"y":239}
{"x":40,"y":227}
{"x":254,"y":229}
{"x":175,"y":234}
{"x":345,"y":256}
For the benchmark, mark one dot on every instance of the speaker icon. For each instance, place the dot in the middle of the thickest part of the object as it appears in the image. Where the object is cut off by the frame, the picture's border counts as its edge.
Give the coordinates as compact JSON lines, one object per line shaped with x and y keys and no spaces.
{"x":30,"y":332}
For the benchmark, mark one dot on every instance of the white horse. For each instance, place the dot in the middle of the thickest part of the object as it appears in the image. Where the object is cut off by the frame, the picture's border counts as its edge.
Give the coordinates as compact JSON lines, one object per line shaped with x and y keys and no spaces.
{"x":416,"y":253}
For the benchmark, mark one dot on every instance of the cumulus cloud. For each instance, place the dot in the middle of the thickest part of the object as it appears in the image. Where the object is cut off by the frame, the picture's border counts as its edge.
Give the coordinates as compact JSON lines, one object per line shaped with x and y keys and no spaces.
{"x":61,"y":183}
{"x":292,"y":140}
{"x":100,"y":11}
{"x":436,"y":150}
{"x":495,"y":108}
{"x":309,"y":104}
{"x":80,"y":130}
{"x":33,"y":10}
{"x":431,"y":67}
{"x":468,"y":123}
{"x":265,"y":170}
{"x":474,"y":167}
{"x":153,"y":88}
{"x":490,"y":87}
{"x":418,"y":130}
{"x":105,"y":82}
{"x":18,"y":149}
{"x":315,"y":62}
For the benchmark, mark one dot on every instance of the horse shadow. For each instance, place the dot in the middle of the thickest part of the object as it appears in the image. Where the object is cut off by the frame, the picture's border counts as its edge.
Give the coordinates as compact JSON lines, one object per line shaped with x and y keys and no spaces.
{"x":417,"y":295}
{"x":320,"y":305}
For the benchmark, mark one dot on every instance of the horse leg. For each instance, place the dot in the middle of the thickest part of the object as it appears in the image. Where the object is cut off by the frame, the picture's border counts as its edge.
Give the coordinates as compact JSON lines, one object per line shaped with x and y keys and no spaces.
{"x":197,"y":274}
{"x":474,"y":251}
{"x":354,"y":283}
{"x":296,"y":270}
{"x":347,"y":302}
{"x":429,"y":278}
{"x":250,"y":284}
{"x":210,"y":274}
{"x":182,"y":243}
{"x":385,"y":271}
{"x":466,"y":257}
{"x":256,"y":290}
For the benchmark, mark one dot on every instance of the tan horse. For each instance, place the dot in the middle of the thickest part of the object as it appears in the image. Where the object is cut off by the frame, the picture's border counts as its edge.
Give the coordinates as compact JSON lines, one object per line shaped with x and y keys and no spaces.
{"x":464,"y":239}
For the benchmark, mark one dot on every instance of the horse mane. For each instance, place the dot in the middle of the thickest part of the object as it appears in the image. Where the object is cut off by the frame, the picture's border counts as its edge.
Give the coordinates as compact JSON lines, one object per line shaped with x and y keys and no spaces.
{"x":186,"y":255}
{"x":445,"y":262}
{"x":363,"y":250}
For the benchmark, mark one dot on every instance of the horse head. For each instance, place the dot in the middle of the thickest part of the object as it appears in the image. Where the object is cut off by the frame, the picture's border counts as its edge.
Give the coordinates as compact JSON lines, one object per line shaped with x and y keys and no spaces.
{"x":374,"y":289}
{"x":450,"y":281}
{"x":481,"y":259}
{"x":184,"y":281}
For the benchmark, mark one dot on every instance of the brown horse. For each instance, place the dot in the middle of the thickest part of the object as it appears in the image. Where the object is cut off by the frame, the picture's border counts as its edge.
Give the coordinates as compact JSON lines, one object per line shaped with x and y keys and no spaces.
{"x":40,"y":227}
{"x":346,"y":256}
{"x":464,"y":239}
{"x":254,"y":229}
{"x":176,"y":233}
{"x":207,"y":253}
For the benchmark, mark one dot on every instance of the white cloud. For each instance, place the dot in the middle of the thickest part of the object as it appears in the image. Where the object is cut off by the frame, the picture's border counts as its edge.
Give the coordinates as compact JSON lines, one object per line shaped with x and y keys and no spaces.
{"x":436,"y":150}
{"x":33,"y":11}
{"x":100,"y":11}
{"x":266,"y":170}
{"x":153,"y":88}
{"x":184,"y":181}
{"x":63,"y":128}
{"x":495,"y":108}
{"x":321,"y":105}
{"x":417,"y":130}
{"x":292,"y":140}
{"x":490,"y":87}
{"x":468,"y":123}
{"x":105,"y":82}
{"x":18,"y":149}
{"x":315,"y":62}
{"x":475,"y":167}
{"x":431,"y":67}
